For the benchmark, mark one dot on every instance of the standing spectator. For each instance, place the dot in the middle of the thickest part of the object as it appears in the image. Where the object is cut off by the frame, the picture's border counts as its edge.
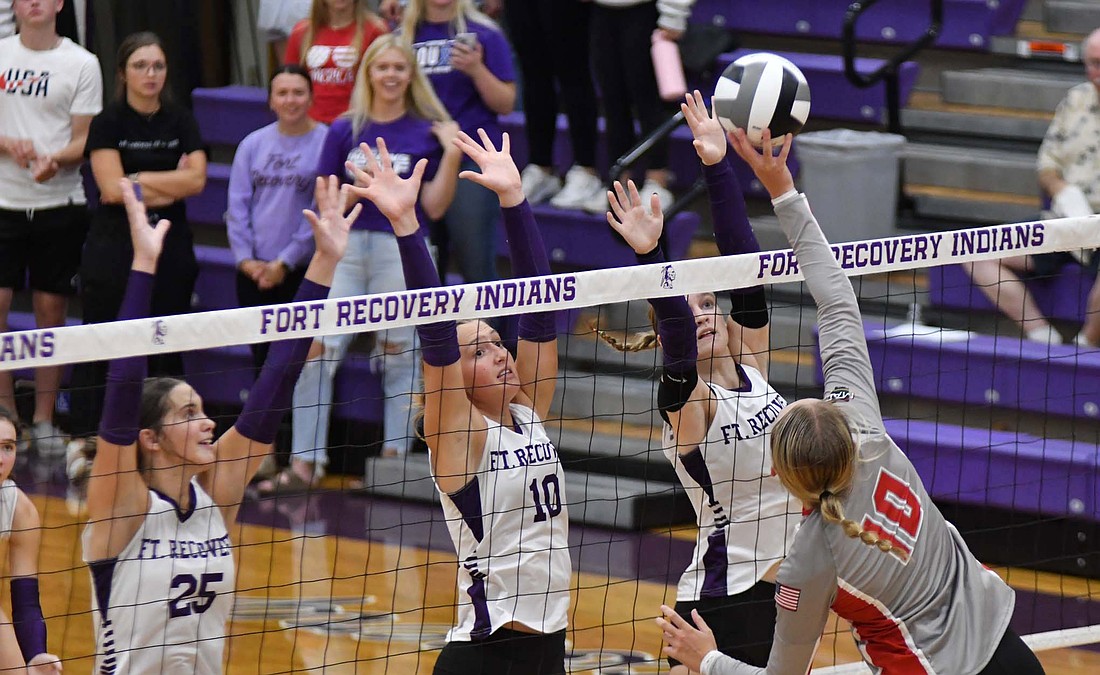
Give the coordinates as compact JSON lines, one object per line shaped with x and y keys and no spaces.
{"x":621,"y":36}
{"x":52,"y":89}
{"x":1069,"y":173}
{"x":551,"y":42}
{"x":271,"y":183}
{"x":392,"y":100}
{"x":468,"y":61}
{"x":146,"y":137}
{"x":330,"y":44}
{"x":277,"y":19}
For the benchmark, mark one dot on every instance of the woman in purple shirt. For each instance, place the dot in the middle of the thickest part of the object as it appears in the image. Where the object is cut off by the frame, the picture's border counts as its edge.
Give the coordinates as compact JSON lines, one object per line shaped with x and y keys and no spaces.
{"x":271,"y":183}
{"x":469,"y":63}
{"x":392,"y":100}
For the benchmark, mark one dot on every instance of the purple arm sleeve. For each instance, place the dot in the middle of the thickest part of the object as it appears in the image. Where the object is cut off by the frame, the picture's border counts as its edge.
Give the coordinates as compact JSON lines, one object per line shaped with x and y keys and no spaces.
{"x":529,"y":259}
{"x":438,"y":341}
{"x":732,"y":229}
{"x":26,"y":617}
{"x":122,"y":400}
{"x":675,"y":324}
{"x":271,"y":396}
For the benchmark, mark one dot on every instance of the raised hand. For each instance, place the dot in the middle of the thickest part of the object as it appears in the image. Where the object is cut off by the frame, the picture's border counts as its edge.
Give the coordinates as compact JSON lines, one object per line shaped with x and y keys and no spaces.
{"x":446,"y":133}
{"x":394,"y":196}
{"x":331,"y":227}
{"x":770,"y":168}
{"x":498,"y":170}
{"x":44,"y":664}
{"x":710,"y":137}
{"x":641,"y":227}
{"x":148,"y":241}
{"x":684,"y":642}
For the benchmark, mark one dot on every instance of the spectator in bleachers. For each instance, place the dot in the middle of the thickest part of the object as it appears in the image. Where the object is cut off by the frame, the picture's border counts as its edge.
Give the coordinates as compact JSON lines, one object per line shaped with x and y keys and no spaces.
{"x":154,"y":142}
{"x":52,"y":89}
{"x":392,"y":100}
{"x":277,"y":19}
{"x":469,"y":64}
{"x":621,"y":36}
{"x":270,"y":184}
{"x":552,"y":45}
{"x":1069,"y":174}
{"x":330,"y":44}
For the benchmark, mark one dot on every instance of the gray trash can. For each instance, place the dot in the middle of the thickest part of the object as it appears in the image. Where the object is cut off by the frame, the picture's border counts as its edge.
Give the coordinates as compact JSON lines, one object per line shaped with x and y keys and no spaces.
{"x":851,"y":180}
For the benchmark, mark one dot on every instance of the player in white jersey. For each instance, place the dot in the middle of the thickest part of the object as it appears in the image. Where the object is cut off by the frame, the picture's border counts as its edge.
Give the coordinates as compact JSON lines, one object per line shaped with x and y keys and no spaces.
{"x":874,"y":548}
{"x":22,"y":641}
{"x":497,"y":472}
{"x":163,"y":488}
{"x":718,"y":409}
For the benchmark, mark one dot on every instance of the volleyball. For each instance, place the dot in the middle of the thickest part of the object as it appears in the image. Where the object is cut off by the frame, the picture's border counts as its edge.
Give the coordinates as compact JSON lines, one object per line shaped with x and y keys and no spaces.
{"x":762,"y":91}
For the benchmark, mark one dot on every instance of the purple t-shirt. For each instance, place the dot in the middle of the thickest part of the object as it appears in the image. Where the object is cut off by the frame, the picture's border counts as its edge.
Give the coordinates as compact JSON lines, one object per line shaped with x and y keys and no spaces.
{"x":408,"y":139}
{"x":456,"y":89}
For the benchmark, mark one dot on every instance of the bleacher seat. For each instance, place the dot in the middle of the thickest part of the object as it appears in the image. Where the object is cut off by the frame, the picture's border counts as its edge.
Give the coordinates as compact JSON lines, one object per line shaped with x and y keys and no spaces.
{"x":999,"y":469}
{"x":967,"y":24}
{"x":209,"y":206}
{"x":985,"y":371}
{"x":216,"y":286}
{"x":227,"y":114}
{"x":1063,"y":296}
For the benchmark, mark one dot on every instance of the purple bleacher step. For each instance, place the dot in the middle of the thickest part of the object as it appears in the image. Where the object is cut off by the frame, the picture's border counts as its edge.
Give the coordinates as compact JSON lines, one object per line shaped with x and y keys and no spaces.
{"x":1063,"y":296}
{"x":1000,"y":469}
{"x":986,"y":371}
{"x":216,"y":286}
{"x":832,"y":96}
{"x":583,"y":241}
{"x":682,"y":160}
{"x":224,"y":375}
{"x":208,"y":207}
{"x":227,"y":114}
{"x":967,"y":24}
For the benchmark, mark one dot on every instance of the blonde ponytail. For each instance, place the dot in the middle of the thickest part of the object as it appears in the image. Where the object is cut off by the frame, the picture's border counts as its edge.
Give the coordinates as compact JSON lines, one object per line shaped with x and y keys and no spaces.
{"x":832,"y":510}
{"x":637,"y":343}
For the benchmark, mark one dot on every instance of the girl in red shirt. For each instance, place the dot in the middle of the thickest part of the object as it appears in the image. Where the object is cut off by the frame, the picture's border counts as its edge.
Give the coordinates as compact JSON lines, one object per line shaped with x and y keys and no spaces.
{"x":330,"y":43}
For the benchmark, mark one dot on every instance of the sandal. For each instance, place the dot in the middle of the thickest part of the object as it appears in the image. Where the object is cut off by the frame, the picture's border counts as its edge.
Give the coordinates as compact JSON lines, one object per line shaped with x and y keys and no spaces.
{"x":286,"y":482}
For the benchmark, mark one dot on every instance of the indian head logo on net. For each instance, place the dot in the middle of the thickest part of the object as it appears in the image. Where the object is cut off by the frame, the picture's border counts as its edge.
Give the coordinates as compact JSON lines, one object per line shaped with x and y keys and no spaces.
{"x":24,"y":81}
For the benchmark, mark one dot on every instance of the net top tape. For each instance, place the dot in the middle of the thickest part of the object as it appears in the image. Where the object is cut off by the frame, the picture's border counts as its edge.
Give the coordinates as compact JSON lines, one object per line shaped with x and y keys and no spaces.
{"x":354,"y":314}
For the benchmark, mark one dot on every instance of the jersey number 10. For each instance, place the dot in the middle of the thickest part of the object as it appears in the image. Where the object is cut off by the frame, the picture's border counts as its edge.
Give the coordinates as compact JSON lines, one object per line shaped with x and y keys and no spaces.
{"x":551,"y":497}
{"x":898,"y":514}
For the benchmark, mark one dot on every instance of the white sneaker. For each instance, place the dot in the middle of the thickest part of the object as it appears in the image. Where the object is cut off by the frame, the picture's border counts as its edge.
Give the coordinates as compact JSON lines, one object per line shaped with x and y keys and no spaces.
{"x":597,"y":203}
{"x":663,"y":194}
{"x":581,"y":186}
{"x":48,"y":441}
{"x":539,"y":184}
{"x":1082,"y":341}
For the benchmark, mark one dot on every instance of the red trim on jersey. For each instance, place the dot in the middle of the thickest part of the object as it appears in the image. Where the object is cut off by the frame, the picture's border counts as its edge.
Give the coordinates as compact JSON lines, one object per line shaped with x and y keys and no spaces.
{"x":881,"y":636}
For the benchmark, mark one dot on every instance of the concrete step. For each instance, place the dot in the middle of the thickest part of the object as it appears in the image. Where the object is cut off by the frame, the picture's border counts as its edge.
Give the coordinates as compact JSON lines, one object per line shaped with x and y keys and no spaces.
{"x":1007,"y":87}
{"x":970,"y":206}
{"x":970,"y":168}
{"x":1034,"y":42}
{"x":928,"y":114}
{"x":1071,"y":16}
{"x":592,"y":499}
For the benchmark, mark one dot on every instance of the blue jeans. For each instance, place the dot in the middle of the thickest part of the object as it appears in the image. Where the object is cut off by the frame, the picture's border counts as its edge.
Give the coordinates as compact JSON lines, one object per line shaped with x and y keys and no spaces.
{"x":372,"y":264}
{"x":471,"y":224}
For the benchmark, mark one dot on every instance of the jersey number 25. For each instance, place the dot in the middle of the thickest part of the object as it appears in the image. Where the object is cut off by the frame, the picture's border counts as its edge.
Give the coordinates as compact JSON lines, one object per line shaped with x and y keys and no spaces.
{"x":898,"y":514}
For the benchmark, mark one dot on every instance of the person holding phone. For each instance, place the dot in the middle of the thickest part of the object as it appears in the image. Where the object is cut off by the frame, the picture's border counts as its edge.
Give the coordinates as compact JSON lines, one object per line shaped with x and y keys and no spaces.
{"x":469,"y":63}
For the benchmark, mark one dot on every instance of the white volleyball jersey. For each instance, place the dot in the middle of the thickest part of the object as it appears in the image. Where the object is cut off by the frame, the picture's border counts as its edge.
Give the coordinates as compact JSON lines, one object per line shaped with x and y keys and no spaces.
{"x":746,"y":518}
{"x":510,"y":528}
{"x":162,"y":604}
{"x":9,"y":498}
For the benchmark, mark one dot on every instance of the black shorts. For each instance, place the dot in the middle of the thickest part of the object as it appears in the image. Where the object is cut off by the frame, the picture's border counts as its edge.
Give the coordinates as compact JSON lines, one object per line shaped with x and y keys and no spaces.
{"x":743,"y":624}
{"x":1013,"y":657}
{"x":505,"y":652}
{"x":48,"y":242}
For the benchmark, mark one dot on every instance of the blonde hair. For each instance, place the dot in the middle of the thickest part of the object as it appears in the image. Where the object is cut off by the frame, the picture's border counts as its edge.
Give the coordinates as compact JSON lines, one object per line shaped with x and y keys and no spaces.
{"x":319,"y":18}
{"x":420,"y":98}
{"x":814,"y":453}
{"x":465,"y":12}
{"x":638,"y":342}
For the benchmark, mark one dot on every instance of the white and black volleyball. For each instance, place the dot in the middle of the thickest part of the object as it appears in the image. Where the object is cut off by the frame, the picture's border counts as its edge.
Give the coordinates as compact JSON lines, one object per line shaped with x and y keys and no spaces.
{"x":762,"y":91}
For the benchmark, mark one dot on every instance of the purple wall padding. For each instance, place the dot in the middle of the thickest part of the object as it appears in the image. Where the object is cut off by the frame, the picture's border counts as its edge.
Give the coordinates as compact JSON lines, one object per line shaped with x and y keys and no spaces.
{"x":227,"y":114}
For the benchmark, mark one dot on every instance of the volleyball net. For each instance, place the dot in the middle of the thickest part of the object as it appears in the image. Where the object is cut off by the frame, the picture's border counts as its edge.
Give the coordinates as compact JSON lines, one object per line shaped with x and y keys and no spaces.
{"x":1003,"y":431}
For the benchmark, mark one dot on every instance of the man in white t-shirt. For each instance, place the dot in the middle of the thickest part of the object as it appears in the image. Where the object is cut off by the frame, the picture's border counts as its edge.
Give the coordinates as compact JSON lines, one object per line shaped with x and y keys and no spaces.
{"x":50,"y":88}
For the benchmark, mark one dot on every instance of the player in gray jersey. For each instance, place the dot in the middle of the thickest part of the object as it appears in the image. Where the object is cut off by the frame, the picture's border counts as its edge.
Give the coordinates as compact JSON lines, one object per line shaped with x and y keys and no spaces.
{"x":718,"y":409}
{"x":164,"y":488}
{"x":498,"y":474}
{"x":874,"y":548}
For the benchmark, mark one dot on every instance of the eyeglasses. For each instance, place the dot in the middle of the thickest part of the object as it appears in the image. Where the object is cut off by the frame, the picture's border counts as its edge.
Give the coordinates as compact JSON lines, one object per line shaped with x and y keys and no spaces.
{"x":156,"y":67}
